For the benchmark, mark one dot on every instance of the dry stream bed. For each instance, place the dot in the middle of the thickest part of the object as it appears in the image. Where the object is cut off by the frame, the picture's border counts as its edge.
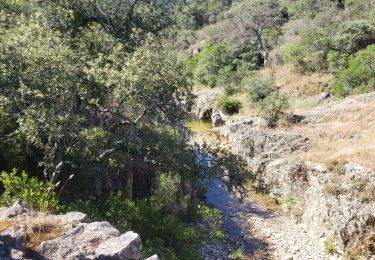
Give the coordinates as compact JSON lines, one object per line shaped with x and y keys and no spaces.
{"x":258,"y":225}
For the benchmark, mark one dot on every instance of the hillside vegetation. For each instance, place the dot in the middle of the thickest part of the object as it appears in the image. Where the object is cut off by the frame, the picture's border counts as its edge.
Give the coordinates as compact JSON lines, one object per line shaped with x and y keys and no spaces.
{"x":94,"y":94}
{"x":275,"y":58}
{"x":304,"y":47}
{"x":91,"y":107}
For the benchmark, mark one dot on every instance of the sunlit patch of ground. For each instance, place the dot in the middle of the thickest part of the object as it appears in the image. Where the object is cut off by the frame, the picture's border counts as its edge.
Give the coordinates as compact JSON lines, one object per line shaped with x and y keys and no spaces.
{"x":345,"y":131}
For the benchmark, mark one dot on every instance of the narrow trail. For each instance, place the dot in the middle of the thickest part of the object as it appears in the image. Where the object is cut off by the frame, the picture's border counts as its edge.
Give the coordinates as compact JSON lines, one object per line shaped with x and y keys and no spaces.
{"x":265,"y":234}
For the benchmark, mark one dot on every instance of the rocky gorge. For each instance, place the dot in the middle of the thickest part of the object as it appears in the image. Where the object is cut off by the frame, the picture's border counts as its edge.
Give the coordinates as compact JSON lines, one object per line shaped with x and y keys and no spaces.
{"x":328,"y":205}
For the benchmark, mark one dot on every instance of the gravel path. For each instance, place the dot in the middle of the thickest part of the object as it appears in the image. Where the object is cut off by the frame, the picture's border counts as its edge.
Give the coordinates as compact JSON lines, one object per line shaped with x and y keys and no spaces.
{"x":286,"y":238}
{"x":265,"y":234}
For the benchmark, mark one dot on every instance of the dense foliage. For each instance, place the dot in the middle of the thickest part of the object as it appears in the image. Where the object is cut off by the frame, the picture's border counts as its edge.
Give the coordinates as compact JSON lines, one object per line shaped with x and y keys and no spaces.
{"x":37,"y":194}
{"x":359,"y":76}
{"x":95,"y":90}
{"x":99,"y":89}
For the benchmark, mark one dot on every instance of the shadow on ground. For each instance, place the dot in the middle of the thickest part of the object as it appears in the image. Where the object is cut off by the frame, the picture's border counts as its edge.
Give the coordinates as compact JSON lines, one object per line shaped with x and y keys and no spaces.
{"x":236,"y":224}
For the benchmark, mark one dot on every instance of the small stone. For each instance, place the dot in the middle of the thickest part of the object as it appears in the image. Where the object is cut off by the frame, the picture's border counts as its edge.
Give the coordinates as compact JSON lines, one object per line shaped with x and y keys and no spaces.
{"x":16,"y":209}
{"x":72,"y":217}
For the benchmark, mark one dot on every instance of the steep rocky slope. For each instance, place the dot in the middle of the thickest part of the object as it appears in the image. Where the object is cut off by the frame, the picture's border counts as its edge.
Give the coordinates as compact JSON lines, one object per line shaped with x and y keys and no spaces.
{"x":31,"y":235}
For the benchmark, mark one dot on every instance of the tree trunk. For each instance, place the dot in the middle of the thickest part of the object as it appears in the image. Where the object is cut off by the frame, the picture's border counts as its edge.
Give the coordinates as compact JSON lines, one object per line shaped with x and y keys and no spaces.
{"x":265,"y":56}
{"x":262,"y":48}
{"x":129,"y":185}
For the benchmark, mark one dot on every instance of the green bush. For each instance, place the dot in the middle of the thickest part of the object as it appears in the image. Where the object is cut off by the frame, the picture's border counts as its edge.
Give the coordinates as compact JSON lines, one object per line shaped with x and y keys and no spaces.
{"x":228,"y":105}
{"x":354,"y":36}
{"x":231,"y":89}
{"x":213,"y":220}
{"x":359,"y":77}
{"x":162,"y":232}
{"x":337,"y":62}
{"x":239,"y":253}
{"x":214,"y":60}
{"x":225,"y":76}
{"x":273,"y":107}
{"x":258,"y":88}
{"x":224,"y":64}
{"x":38,"y":195}
{"x":247,"y":58}
{"x":310,"y":54}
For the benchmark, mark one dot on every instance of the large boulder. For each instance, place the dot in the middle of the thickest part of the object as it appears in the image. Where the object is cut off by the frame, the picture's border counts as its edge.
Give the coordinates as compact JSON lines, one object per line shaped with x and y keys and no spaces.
{"x":205,"y":103}
{"x":259,"y":145}
{"x":127,"y":246}
{"x":340,"y":207}
{"x":79,"y":240}
{"x":217,"y":118}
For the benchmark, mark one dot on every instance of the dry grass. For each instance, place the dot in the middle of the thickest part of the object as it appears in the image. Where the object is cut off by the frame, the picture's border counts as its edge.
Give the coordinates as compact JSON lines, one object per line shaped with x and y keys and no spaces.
{"x":294,"y":84}
{"x":247,"y":108}
{"x":300,"y":104}
{"x":39,"y":227}
{"x":5,"y":224}
{"x":346,"y":132}
{"x":34,"y":239}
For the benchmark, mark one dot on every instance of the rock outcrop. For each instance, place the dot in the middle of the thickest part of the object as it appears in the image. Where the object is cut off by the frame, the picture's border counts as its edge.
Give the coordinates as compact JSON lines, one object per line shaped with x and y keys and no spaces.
{"x":266,"y":151}
{"x":205,"y":104}
{"x":334,"y":205}
{"x":69,"y":236}
{"x":340,"y":207}
{"x":16,"y":209}
{"x":218,"y":118}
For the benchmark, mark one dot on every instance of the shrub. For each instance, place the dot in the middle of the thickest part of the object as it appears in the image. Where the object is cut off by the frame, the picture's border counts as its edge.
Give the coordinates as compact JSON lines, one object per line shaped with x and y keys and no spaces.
{"x":225,"y":76}
{"x":273,"y":107}
{"x":215,"y":59}
{"x":363,"y":248}
{"x":359,"y":77}
{"x":228,"y":105}
{"x":239,"y":253}
{"x":37,"y":194}
{"x":310,"y":54}
{"x":337,"y":62}
{"x":225,"y":63}
{"x":258,"y":88}
{"x":363,"y":189}
{"x":329,"y":246}
{"x":336,"y":166}
{"x":213,"y":220}
{"x":354,"y":36}
{"x":297,"y":213}
{"x":162,"y":233}
{"x":164,"y":195}
{"x":231,"y":89}
{"x":248,"y":58}
{"x":333,"y":189}
{"x":353,"y":254}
